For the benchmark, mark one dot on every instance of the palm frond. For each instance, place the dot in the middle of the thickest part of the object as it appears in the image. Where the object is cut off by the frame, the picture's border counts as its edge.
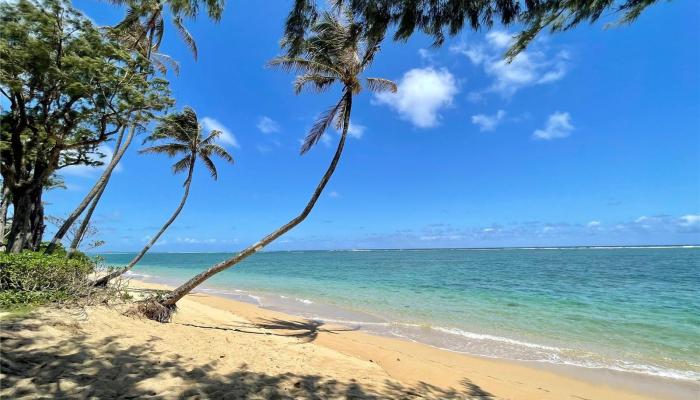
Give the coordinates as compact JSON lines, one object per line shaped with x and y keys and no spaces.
{"x":132,"y":18}
{"x":158,"y":31}
{"x":213,"y":135}
{"x":210,"y":166}
{"x":217,"y":150}
{"x":317,"y":82}
{"x":183,"y":164}
{"x":340,"y":116}
{"x":170,"y":149}
{"x":302,"y":65}
{"x":186,"y":36}
{"x":320,"y":126}
{"x":164,"y":63}
{"x":381,"y":85}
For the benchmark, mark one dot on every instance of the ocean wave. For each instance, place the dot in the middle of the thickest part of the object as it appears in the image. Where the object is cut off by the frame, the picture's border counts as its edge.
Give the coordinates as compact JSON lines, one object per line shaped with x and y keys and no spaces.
{"x":481,"y":336}
{"x":563,"y":356}
{"x":135,"y":274}
{"x":305,"y":301}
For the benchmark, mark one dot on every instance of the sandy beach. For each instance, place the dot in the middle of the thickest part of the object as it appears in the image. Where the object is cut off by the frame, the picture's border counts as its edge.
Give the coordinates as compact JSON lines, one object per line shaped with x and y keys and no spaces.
{"x":220,"y":348}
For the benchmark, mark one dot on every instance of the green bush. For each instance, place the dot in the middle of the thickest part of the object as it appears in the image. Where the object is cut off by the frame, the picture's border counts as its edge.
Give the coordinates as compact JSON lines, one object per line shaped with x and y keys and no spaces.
{"x":30,"y":278}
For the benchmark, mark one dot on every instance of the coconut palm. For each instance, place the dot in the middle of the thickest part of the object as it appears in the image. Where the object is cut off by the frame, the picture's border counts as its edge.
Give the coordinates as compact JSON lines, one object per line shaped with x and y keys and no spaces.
{"x":145,"y":19}
{"x":141,"y":31}
{"x":178,"y":134}
{"x":335,"y":52}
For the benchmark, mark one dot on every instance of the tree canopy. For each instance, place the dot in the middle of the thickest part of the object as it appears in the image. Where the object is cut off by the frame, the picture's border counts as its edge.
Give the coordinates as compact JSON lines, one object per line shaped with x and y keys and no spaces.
{"x":70,"y":87}
{"x":449,"y":17}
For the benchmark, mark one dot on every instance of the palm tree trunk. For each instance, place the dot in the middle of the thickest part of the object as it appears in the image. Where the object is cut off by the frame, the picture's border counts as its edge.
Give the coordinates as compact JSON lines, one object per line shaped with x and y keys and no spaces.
{"x":4,"y":205}
{"x":86,"y":220}
{"x":173,"y":297}
{"x":85,"y":223}
{"x":105,"y":279}
{"x":93,"y":192}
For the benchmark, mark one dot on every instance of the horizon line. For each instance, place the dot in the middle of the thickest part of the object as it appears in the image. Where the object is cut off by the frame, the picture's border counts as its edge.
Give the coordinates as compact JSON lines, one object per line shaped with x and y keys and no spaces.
{"x":649,"y":246}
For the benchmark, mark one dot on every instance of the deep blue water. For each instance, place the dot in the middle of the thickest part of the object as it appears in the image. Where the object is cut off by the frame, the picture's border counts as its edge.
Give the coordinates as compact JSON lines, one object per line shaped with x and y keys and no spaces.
{"x":633,"y":309}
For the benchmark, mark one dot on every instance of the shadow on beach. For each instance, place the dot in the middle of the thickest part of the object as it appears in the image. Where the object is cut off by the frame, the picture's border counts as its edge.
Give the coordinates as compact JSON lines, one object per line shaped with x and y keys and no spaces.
{"x":74,"y":368}
{"x":306,"y":331}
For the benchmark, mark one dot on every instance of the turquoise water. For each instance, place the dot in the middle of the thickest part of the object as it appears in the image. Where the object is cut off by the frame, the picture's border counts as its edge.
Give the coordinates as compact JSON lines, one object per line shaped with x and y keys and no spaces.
{"x":630,"y":309}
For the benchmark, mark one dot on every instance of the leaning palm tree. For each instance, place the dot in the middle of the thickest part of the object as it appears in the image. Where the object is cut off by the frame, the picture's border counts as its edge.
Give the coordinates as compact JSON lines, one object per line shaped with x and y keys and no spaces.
{"x":336,"y":52}
{"x":182,"y":135}
{"x":141,"y":31}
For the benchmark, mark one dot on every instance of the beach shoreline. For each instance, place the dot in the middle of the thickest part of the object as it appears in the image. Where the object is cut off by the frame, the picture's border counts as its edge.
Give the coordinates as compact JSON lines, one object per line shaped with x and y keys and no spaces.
{"x":217,"y":347}
{"x":356,"y":343}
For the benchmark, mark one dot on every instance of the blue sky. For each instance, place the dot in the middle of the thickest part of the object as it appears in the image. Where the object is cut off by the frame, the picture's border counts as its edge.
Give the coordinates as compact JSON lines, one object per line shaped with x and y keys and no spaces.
{"x":592,"y":137}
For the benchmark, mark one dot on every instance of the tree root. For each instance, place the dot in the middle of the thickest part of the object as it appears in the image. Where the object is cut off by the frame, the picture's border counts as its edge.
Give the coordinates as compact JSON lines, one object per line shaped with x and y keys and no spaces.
{"x":154,"y":310}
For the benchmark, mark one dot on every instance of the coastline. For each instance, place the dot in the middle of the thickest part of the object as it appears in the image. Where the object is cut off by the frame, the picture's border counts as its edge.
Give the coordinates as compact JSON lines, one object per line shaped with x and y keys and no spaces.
{"x":422,"y":363}
{"x":217,"y":347}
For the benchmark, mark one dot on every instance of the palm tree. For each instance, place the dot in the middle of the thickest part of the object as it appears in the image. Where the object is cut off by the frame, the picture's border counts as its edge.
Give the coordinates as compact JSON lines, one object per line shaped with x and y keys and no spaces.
{"x":145,"y":20}
{"x":183,"y":136}
{"x":336,"y":52}
{"x":142,"y":30}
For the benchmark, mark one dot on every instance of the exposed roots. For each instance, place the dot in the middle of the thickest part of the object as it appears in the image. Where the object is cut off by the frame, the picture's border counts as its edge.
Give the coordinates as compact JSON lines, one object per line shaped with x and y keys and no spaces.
{"x":154,"y":310}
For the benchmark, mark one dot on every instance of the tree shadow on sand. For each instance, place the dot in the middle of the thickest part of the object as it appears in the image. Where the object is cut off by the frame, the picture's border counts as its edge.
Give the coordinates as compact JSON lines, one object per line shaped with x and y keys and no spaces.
{"x":305,"y":330}
{"x":76,"y":368}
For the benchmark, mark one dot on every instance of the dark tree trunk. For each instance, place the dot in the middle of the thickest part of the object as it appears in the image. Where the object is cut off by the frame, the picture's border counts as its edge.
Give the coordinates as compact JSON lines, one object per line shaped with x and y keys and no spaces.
{"x":36,"y":223}
{"x":173,"y":297}
{"x":26,"y":230}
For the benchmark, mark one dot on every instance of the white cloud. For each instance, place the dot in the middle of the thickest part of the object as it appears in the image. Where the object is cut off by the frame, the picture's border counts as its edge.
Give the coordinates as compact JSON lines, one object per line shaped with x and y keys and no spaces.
{"x":530,"y":67}
{"x":268,"y":125}
{"x":488,"y":122}
{"x":426,"y":55}
{"x":355,"y":130}
{"x":190,"y":240}
{"x":87,"y":171}
{"x":334,"y":194}
{"x":422,"y":93}
{"x":210,"y":124}
{"x":690,"y":221}
{"x":499,"y":39}
{"x":594,"y":224}
{"x":558,"y":126}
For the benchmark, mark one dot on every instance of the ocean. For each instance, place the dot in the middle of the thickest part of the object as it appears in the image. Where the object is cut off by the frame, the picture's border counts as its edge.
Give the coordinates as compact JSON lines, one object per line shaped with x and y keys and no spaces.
{"x":625,"y":309}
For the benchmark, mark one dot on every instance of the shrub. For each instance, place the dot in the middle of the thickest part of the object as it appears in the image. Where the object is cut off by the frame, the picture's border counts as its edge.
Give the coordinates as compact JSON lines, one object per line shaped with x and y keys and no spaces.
{"x":32,"y":271}
{"x":32,"y":278}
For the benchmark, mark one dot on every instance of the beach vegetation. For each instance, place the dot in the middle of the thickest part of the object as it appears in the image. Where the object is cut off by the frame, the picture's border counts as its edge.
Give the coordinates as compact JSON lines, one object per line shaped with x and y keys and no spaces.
{"x":141,"y":32}
{"x":70,"y":87}
{"x":31,"y":278}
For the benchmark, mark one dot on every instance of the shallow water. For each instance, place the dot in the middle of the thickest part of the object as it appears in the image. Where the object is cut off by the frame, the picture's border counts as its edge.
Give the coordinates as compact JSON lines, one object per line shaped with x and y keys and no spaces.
{"x":629,"y":309}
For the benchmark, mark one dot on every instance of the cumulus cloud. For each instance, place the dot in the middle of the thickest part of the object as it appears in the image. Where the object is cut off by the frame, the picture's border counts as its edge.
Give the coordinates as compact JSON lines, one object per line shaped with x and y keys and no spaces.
{"x":488,"y":122}
{"x":593,"y":224}
{"x":690,"y":221}
{"x":558,"y":126}
{"x":531,"y":67}
{"x":422,"y":94}
{"x":268,"y":125}
{"x":226,"y":138}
